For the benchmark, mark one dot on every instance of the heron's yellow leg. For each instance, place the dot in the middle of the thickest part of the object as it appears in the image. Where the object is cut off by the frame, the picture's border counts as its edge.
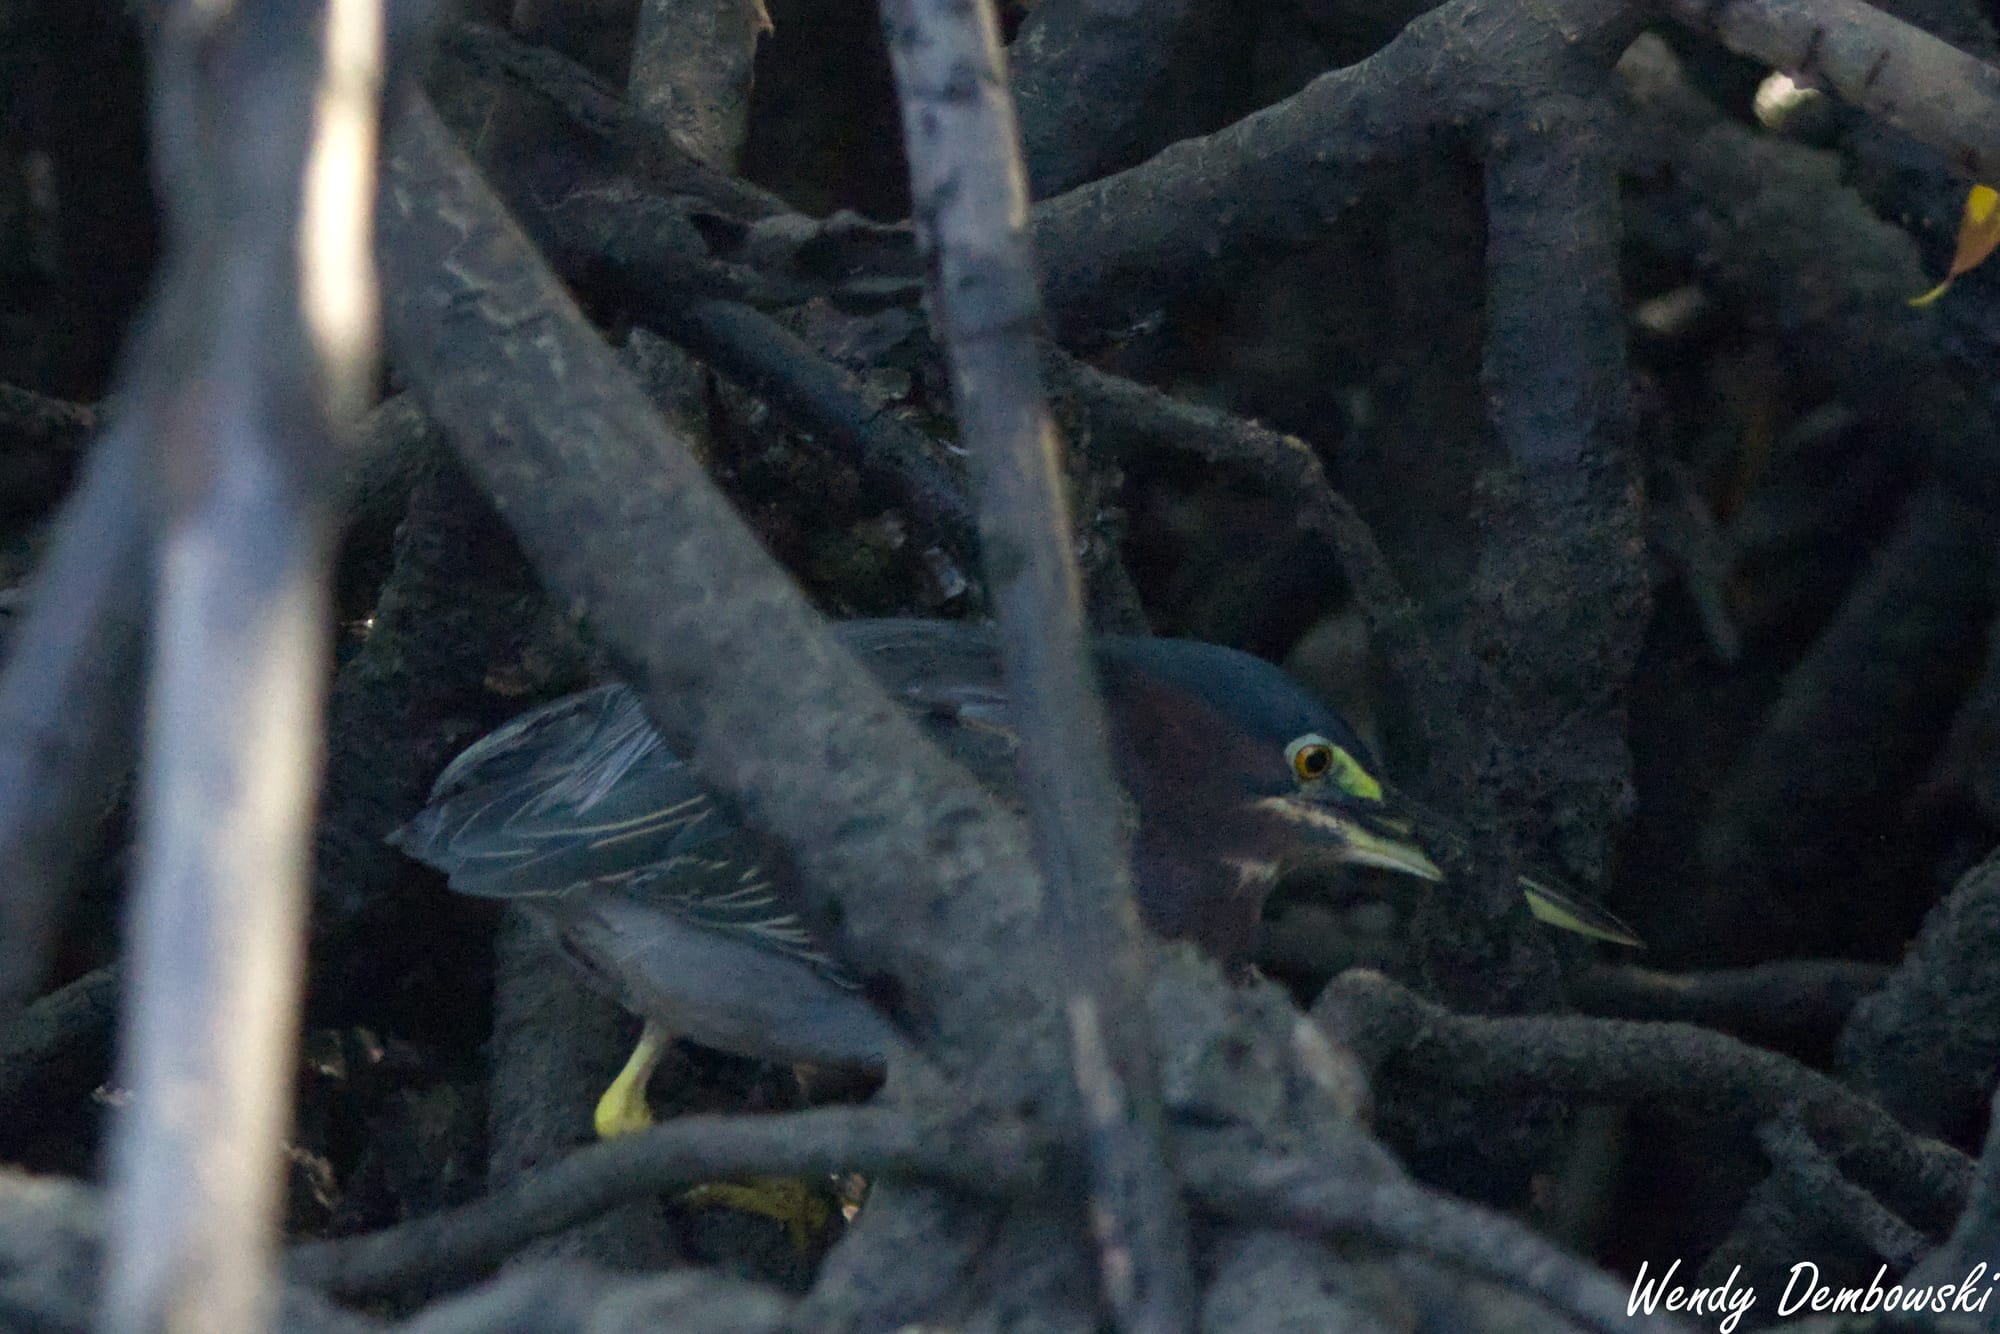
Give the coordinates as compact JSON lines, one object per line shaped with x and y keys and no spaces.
{"x":623,"y":1110}
{"x":804,"y":1210}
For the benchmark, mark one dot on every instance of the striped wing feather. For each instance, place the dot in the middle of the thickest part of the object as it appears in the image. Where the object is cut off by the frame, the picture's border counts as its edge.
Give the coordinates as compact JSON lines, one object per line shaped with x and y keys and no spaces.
{"x":583,"y":793}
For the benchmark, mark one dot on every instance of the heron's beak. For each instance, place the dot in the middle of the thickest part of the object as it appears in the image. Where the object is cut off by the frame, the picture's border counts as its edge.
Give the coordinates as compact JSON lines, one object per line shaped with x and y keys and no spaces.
{"x":1388,"y":852}
{"x":1567,"y":912}
{"x":1355,"y":838}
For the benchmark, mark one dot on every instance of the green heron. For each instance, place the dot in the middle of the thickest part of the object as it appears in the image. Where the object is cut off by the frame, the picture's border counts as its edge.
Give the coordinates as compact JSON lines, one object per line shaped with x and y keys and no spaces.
{"x":579,"y":811}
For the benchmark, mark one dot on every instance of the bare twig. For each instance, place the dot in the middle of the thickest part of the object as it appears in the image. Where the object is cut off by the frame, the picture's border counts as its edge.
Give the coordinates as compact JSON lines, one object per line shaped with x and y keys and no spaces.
{"x":989,"y":1157}
{"x":265,"y":136}
{"x":1923,"y":86}
{"x":969,"y":200}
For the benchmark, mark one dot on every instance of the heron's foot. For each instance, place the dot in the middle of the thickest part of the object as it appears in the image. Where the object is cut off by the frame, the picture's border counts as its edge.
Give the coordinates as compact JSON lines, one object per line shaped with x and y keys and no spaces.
{"x":803,"y":1207}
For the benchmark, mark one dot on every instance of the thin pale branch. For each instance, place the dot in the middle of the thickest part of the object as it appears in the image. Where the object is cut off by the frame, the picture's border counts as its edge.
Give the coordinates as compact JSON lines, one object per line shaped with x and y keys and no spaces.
{"x":969,"y":198}
{"x":265,"y":132}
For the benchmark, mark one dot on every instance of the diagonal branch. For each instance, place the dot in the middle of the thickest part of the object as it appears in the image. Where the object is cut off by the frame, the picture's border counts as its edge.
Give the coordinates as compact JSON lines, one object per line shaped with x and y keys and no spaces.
{"x":990,"y":1157}
{"x":926,"y":886}
{"x":969,"y":197}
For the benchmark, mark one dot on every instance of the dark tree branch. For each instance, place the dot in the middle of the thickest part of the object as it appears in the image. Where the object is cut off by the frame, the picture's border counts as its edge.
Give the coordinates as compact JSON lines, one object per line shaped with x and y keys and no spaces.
{"x":1856,"y":723}
{"x":1403,"y":1214}
{"x":572,"y":1298}
{"x":41,"y":441}
{"x":990,"y":1157}
{"x":1204,"y":210}
{"x":1901,"y":74}
{"x":969,"y":199}
{"x":1277,"y":179}
{"x":647,"y":254}
{"x":1975,"y":1238}
{"x":1787,"y":998}
{"x":50,"y":1256}
{"x":634,"y":140}
{"x":1819,"y":1190}
{"x":691,"y":66}
{"x":1559,"y":598}
{"x":66,"y":696}
{"x":1115,"y":250}
{"x":1267,"y":1280}
{"x":1608,"y":1060}
{"x":1926,"y":1045}
{"x":768,"y":360}
{"x":53,"y":1053}
{"x":1083,"y":73}
{"x":1133,"y":419}
{"x":631,"y":198}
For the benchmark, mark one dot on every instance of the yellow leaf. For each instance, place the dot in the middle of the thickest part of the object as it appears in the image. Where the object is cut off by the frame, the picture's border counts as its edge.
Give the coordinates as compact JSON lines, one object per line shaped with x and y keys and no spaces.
{"x":1978,"y":234}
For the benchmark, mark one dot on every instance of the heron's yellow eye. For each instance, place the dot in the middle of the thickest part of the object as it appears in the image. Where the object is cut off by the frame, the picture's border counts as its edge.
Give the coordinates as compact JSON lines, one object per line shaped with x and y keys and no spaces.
{"x":1312,"y":761}
{"x":1313,"y":758}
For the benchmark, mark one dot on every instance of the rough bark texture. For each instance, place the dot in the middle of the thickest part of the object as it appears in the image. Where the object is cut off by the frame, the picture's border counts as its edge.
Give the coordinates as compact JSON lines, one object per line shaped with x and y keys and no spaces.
{"x":1486,"y":362}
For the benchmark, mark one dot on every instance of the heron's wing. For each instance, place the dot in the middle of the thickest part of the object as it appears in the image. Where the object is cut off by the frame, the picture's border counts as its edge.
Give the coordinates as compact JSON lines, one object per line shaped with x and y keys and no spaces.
{"x":582,"y":797}
{"x":719,"y":893}
{"x":580,"y":788}
{"x":948,"y":675}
